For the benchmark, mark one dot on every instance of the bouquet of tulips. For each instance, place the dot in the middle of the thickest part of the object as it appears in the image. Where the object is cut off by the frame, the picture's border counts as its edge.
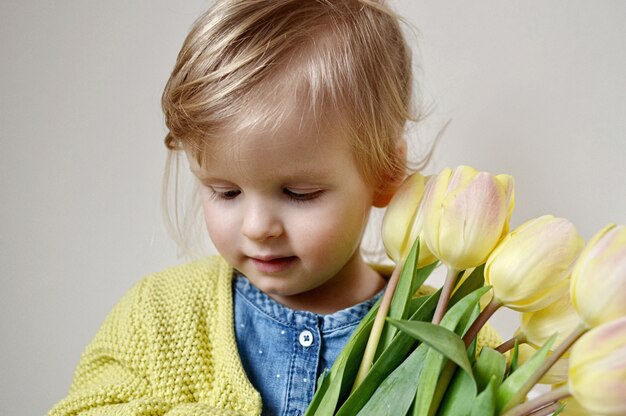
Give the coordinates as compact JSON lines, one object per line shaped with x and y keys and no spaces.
{"x":423,"y":355}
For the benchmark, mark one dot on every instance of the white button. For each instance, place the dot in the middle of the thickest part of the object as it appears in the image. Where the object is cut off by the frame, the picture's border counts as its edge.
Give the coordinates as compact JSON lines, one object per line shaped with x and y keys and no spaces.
{"x":306,"y":338}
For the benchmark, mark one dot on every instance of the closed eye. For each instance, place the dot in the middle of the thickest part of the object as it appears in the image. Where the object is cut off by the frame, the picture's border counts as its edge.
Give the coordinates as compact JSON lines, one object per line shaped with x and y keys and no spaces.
{"x":302,"y":196}
{"x":226,"y":194}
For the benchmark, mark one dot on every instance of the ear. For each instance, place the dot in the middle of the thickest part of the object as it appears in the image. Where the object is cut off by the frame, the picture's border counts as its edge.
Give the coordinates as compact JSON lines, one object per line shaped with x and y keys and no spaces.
{"x":387,"y":190}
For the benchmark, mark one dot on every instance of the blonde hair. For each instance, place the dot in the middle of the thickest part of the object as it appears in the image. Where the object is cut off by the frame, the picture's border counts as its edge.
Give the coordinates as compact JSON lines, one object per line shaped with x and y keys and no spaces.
{"x":348,"y":58}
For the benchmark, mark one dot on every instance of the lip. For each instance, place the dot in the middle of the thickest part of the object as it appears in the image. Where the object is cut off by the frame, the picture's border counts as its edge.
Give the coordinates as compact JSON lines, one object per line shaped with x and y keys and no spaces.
{"x":272,"y":264}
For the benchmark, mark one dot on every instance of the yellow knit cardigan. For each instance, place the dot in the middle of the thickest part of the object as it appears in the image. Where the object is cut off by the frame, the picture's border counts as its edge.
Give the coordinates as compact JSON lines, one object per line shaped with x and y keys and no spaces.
{"x":167,"y":348}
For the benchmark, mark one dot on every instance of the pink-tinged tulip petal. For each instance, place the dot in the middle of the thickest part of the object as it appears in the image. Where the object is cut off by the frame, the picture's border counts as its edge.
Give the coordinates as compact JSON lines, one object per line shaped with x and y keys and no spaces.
{"x":506,"y":182}
{"x":432,"y":209}
{"x":598,"y":287}
{"x":402,"y":223}
{"x":557,"y":318}
{"x":529,"y":268}
{"x":465,"y":215}
{"x":597,"y":372}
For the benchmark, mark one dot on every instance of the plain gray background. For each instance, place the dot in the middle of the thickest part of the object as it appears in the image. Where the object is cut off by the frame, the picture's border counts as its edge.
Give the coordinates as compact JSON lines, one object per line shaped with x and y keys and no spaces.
{"x":533,"y":88}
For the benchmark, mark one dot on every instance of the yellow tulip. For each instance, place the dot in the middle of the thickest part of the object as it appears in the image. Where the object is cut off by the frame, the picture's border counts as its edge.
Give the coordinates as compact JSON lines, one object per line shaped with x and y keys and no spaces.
{"x":598,"y":286}
{"x":466,"y":213}
{"x":529,"y":268}
{"x":597,"y":372}
{"x":557,"y":318}
{"x":403,"y":220}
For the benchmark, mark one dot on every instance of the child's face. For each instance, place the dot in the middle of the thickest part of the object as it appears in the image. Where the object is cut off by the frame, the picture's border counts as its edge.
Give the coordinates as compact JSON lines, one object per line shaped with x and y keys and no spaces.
{"x":288,"y":210}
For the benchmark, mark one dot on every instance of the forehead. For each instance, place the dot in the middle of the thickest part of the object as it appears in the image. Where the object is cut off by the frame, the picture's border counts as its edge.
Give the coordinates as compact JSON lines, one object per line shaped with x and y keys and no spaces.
{"x":299,"y":146}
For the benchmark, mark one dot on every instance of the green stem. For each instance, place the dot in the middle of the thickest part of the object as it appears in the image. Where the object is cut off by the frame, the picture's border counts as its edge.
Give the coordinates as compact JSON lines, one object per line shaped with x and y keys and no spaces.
{"x":547,"y":364}
{"x":481,"y":320}
{"x":539,"y":403}
{"x":507,"y":345}
{"x":377,"y":327}
{"x":446,"y":291}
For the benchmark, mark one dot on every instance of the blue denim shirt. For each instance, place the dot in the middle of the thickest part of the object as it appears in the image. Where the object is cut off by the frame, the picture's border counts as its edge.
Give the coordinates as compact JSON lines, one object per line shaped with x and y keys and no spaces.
{"x":284,"y":351}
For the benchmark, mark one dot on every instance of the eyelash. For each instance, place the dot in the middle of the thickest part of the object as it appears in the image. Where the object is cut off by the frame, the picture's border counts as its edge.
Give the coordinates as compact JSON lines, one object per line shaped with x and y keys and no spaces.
{"x":301,"y":198}
{"x":226,"y":195}
{"x":293,"y":196}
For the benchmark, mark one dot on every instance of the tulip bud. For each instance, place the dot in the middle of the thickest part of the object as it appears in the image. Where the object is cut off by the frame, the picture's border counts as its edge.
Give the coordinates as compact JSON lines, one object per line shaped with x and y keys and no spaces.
{"x":598,"y":286}
{"x":559,"y":317}
{"x":466,"y":213}
{"x":597,"y":369}
{"x":403,"y":220}
{"x":529,"y":268}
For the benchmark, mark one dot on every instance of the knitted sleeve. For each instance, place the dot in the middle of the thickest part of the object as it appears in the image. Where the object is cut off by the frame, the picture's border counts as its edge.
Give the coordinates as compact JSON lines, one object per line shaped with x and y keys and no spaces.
{"x":132,"y":367}
{"x":110,"y":377}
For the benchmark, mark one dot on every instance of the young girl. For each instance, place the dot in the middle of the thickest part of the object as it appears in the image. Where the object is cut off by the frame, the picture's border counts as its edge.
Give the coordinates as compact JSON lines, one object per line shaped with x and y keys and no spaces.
{"x":291,"y":114}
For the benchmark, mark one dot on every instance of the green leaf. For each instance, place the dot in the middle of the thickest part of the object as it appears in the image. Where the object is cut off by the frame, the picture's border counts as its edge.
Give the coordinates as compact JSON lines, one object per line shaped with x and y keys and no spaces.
{"x":460,"y":392}
{"x":396,"y":393}
{"x":468,"y":319}
{"x":458,"y":311}
{"x":462,"y":389}
{"x":421,"y":275}
{"x":457,"y":403}
{"x":387,"y":362}
{"x":320,"y":379}
{"x":485,"y":403}
{"x":490,"y":363}
{"x":411,"y":278}
{"x":441,"y":339}
{"x":474,"y":281}
{"x":337,"y":382}
{"x":427,"y":393}
{"x":449,"y":323}
{"x":416,"y":304}
{"x":514,"y":358}
{"x":428,"y":383}
{"x":464,"y":325}
{"x":401,"y":298}
{"x":509,"y":391}
{"x":402,"y":344}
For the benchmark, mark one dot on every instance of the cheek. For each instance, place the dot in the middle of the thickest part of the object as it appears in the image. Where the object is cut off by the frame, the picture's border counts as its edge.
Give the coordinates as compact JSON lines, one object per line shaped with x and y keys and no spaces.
{"x":220,"y":228}
{"x":333,"y":233}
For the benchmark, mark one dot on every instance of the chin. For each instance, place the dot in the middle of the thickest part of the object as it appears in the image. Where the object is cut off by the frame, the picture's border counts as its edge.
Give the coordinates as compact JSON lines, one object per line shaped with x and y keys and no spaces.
{"x":282,"y":289}
{"x":272,"y":285}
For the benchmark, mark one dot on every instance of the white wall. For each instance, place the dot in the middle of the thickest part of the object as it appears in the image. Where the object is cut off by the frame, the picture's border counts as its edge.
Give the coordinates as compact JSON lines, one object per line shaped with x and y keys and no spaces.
{"x":533,"y":88}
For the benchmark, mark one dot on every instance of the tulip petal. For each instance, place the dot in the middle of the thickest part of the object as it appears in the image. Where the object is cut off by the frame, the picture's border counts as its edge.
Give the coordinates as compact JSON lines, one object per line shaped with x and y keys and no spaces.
{"x":400,"y":217}
{"x":529,"y":268}
{"x":597,"y":373}
{"x":598,"y":288}
{"x":559,"y":317}
{"x":465,"y":215}
{"x":433,"y":210}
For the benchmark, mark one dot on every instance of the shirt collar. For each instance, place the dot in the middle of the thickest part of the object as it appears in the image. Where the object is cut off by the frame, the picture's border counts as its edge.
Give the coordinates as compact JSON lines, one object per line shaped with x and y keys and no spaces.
{"x":293,"y":318}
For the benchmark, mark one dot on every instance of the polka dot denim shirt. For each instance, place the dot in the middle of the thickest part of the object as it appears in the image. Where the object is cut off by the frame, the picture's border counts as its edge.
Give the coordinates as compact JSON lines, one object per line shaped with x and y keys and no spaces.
{"x":284,"y":351}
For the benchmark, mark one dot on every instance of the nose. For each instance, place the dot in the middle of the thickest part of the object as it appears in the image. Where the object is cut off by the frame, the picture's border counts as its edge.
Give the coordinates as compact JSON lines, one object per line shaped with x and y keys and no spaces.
{"x":261,"y":221}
